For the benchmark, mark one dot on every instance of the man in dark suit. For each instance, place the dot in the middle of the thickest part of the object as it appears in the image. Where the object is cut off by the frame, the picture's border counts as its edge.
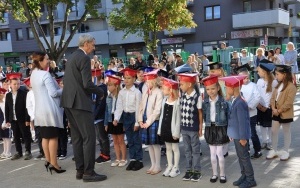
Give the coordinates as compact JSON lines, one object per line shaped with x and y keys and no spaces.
{"x":77,"y":101}
{"x":17,"y":117}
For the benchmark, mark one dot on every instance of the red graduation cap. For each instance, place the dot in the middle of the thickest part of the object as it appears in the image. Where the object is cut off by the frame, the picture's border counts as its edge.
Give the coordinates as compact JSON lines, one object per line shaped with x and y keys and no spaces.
{"x":129,"y":72}
{"x":96,"y":72}
{"x":27,"y":81}
{"x":234,"y":81}
{"x":3,"y":91}
{"x":170,"y":83}
{"x":14,"y":76}
{"x":151,"y":75}
{"x":210,"y":80}
{"x":114,"y":79}
{"x":184,"y":77}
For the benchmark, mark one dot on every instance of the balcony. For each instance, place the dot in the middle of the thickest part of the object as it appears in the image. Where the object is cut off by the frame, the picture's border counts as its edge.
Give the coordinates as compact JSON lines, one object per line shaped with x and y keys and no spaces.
{"x":5,"y":46}
{"x":180,"y":31}
{"x":289,"y":2}
{"x":116,"y":37}
{"x":101,"y":37}
{"x":265,"y":18}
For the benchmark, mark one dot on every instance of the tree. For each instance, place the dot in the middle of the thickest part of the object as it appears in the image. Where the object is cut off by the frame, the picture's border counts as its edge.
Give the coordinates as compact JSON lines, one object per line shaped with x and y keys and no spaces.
{"x":146,"y":18}
{"x":29,"y":11}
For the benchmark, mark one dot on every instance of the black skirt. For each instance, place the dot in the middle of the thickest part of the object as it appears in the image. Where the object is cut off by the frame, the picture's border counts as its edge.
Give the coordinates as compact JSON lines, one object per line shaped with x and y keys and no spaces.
{"x":216,"y":135}
{"x":264,"y":119}
{"x":5,"y":133}
{"x":115,"y":129}
{"x":49,"y":132}
{"x":278,"y":118}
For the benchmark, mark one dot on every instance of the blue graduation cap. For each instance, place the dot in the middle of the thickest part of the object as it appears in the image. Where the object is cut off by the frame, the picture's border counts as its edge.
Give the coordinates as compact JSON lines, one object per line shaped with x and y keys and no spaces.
{"x":110,"y":72}
{"x":269,"y":67}
{"x":183,"y":68}
{"x":146,"y":69}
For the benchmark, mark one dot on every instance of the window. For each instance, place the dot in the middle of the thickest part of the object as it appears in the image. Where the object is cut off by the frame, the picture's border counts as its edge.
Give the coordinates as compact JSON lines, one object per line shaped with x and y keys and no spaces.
{"x":74,"y":7}
{"x":212,"y":13}
{"x":19,"y":34}
{"x":30,"y":33}
{"x":247,"y":6}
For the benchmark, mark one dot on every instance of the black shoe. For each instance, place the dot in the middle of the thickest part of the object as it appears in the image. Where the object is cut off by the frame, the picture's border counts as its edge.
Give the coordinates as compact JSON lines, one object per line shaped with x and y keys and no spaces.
{"x":137,"y":166}
{"x":256,"y":155}
{"x":62,"y":157}
{"x":73,"y":158}
{"x":130,"y":165}
{"x":59,"y":171}
{"x":40,"y":157}
{"x":247,"y":184}
{"x":223,"y":179}
{"x":213,"y":179}
{"x":93,"y":177}
{"x":187,"y":176}
{"x":239,"y":181}
{"x":226,"y":154}
{"x":27,"y":155}
{"x":163,"y":151}
{"x":102,"y":159}
{"x":16,"y":156}
{"x":196,"y":176}
{"x":79,"y":174}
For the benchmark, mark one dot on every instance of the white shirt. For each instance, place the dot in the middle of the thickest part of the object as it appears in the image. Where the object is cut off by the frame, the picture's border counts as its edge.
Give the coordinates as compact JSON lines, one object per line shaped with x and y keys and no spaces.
{"x":252,"y":97}
{"x":213,"y":108}
{"x":199,"y":104}
{"x":128,"y":101}
{"x":14,"y":96}
{"x":30,"y":104}
{"x":265,"y":97}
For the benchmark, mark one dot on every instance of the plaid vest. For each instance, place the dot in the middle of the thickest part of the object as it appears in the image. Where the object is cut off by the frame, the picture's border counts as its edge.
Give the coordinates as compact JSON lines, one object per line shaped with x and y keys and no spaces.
{"x":189,"y":113}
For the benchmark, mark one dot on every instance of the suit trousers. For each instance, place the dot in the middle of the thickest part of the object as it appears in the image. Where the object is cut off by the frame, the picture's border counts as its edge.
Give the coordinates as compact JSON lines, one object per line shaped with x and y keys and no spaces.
{"x":21,"y":130}
{"x":103,"y":139}
{"x":83,"y":138}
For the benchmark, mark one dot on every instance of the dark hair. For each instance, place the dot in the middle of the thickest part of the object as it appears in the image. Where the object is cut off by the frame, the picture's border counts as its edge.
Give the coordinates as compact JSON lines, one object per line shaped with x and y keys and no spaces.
{"x":270,"y":79}
{"x":271,"y":51}
{"x":288,"y":78}
{"x":36,"y":57}
{"x":277,"y":49}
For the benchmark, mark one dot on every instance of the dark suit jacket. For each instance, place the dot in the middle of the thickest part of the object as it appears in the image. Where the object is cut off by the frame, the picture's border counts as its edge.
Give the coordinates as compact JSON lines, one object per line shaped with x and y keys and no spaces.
{"x":20,"y":107}
{"x":78,"y":85}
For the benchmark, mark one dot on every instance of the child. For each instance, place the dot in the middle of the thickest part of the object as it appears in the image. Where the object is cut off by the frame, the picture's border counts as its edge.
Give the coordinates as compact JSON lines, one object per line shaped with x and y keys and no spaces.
{"x":17,"y":117}
{"x":282,"y":109}
{"x":252,"y":96}
{"x":215,"y":115}
{"x":5,"y":132}
{"x":30,"y":106}
{"x":191,"y":125}
{"x":149,"y":112}
{"x":266,"y":85}
{"x":117,"y":132}
{"x":169,"y":126}
{"x":128,"y":107}
{"x":239,"y":130}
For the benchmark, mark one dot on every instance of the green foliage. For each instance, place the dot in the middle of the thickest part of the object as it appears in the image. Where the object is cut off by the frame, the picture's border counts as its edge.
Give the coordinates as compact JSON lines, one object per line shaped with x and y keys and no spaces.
{"x":147,"y":18}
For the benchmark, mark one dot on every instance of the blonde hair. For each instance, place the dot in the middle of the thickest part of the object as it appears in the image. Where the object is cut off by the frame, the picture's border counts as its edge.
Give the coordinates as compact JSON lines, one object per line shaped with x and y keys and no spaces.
{"x":290,"y":44}
{"x":260,"y":49}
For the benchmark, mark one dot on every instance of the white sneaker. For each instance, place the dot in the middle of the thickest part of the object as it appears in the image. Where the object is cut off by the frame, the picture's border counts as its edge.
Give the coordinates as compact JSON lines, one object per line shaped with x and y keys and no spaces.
{"x":174,"y":172}
{"x":2,"y":156}
{"x":284,"y":156}
{"x":167,"y":171}
{"x":272,"y":154}
{"x":122,"y":163}
{"x":147,"y":149}
{"x":8,"y":156}
{"x":115,"y":163}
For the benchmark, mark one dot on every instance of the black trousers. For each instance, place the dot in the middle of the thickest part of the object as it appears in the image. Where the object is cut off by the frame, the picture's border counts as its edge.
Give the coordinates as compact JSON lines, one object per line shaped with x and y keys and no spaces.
{"x":62,"y":141}
{"x":83,"y":138}
{"x":103,"y":139}
{"x":38,"y":138}
{"x":21,"y":130}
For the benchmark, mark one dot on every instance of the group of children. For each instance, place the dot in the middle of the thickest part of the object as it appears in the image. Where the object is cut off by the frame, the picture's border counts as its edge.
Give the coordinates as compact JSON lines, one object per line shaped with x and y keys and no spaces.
{"x":161,"y":111}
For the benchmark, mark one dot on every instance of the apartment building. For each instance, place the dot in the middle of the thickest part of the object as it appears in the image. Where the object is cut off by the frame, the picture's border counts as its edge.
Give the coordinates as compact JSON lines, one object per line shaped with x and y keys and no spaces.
{"x":239,"y":23}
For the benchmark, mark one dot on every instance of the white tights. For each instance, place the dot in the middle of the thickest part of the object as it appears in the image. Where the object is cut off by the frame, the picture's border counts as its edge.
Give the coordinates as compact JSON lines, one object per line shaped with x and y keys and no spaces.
{"x":266,"y":134}
{"x":286,"y":132}
{"x":173,"y":147}
{"x":154,"y":153}
{"x":7,"y":146}
{"x":214,"y":152}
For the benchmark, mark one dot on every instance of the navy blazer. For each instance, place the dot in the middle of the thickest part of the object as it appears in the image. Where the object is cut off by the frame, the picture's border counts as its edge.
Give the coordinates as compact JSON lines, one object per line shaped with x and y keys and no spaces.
{"x":20,"y":107}
{"x":239,"y":120}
